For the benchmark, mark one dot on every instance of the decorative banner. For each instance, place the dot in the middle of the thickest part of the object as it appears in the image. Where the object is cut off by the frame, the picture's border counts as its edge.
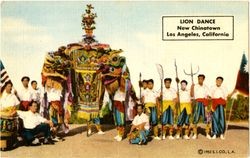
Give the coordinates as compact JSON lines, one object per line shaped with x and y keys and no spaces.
{"x":197,"y":28}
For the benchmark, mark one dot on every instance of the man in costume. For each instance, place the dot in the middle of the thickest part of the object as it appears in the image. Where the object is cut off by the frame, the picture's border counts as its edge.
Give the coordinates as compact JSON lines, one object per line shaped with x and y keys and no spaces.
{"x":169,"y":99}
{"x":56,"y":111}
{"x":219,"y":96}
{"x":24,"y":94}
{"x":97,"y":123}
{"x":149,"y":97}
{"x":185,"y":110}
{"x":200,"y":92}
{"x":54,"y":98}
{"x":140,"y":127}
{"x":144,"y":84}
{"x":119,"y":113}
{"x":37,"y":96}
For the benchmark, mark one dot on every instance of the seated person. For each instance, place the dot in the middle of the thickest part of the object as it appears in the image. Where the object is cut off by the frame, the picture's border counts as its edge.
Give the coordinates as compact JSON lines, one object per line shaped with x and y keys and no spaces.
{"x":35,"y":124}
{"x":140,"y":127}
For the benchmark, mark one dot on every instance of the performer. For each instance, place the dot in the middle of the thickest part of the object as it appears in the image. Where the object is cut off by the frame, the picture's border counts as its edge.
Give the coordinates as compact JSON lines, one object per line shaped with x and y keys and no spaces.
{"x":200,"y":92}
{"x":140,"y":127}
{"x":34,"y":124}
{"x":24,"y":94}
{"x":56,"y":111}
{"x":8,"y":105}
{"x":8,"y":101}
{"x":37,"y":96}
{"x":149,"y":97}
{"x":95,"y":119}
{"x":144,"y":84}
{"x":219,"y":96}
{"x":97,"y":123}
{"x":119,"y":113}
{"x":169,"y":99}
{"x":185,"y":110}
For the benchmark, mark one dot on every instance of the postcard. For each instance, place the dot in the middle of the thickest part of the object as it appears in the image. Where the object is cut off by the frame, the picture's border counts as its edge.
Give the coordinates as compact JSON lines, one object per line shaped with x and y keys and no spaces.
{"x":119,"y":79}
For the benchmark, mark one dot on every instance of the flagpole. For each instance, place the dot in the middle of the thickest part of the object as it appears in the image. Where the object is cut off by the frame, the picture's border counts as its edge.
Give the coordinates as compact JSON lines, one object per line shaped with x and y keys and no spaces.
{"x":230,"y":113}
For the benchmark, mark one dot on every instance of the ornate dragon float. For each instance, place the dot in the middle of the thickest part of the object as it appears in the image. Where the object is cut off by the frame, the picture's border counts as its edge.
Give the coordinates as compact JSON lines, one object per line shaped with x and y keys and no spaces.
{"x":83,"y":72}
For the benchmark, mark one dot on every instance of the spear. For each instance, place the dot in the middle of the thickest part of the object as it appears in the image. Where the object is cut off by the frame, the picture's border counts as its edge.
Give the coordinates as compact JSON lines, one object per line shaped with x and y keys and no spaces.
{"x":192,"y":74}
{"x":178,"y":92}
{"x":140,"y":86}
{"x":161,"y":74}
{"x":177,"y":84}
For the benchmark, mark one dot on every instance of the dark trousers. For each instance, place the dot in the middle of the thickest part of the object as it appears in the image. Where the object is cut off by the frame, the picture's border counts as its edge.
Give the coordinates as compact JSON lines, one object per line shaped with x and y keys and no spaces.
{"x":29,"y":134}
{"x":218,"y":120}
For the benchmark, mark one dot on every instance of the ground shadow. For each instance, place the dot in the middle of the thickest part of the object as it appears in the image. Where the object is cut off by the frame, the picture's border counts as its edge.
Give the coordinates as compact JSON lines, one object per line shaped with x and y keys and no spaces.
{"x":237,"y":127}
{"x":83,"y":128}
{"x":202,"y":131}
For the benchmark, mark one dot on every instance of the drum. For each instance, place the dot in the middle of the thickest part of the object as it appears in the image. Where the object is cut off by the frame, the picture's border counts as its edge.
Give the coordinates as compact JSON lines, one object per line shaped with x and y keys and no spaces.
{"x":8,"y":132}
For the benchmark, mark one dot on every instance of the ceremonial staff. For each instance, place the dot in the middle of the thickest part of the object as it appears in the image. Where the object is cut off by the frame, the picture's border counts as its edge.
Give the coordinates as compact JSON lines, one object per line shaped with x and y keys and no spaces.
{"x":161,"y":74}
{"x":177,"y":83}
{"x":140,"y":85}
{"x":178,"y":93}
{"x":192,"y":74}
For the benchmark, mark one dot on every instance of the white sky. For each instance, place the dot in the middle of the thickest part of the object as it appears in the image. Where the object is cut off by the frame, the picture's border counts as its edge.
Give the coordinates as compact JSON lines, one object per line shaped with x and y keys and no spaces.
{"x":30,"y":29}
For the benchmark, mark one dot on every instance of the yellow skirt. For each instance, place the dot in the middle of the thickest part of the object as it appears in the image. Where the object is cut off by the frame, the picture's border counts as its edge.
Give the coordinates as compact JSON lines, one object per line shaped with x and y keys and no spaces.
{"x":148,"y":105}
{"x":168,"y":103}
{"x":188,"y":107}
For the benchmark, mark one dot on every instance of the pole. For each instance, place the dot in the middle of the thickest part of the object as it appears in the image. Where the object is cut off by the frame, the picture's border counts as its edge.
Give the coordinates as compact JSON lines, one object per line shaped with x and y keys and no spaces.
{"x":161,"y":74}
{"x":140,"y":86}
{"x":178,"y":93}
{"x":177,"y":84}
{"x":230,"y":113}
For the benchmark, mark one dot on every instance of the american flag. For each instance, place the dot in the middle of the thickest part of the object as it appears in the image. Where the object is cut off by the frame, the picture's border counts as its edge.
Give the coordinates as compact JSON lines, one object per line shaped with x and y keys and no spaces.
{"x":4,"y":76}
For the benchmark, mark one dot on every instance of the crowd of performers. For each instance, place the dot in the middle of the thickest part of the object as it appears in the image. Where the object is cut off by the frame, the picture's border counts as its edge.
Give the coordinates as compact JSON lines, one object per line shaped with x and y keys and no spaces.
{"x":34,"y":118}
{"x":170,"y":110}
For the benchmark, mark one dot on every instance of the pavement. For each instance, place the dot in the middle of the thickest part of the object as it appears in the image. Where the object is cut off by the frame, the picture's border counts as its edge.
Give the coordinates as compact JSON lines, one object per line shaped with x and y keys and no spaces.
{"x":76,"y":144}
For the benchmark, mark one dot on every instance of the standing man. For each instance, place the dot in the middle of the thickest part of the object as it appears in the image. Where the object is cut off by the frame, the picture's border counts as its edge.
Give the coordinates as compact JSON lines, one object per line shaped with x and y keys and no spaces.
{"x":37,"y":96}
{"x":169,"y":99}
{"x":56,"y":111}
{"x":149,"y":98}
{"x":144,"y":84}
{"x":119,"y":113}
{"x":219,"y":96}
{"x":200,"y":93}
{"x":186,"y":109}
{"x":24,"y":94}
